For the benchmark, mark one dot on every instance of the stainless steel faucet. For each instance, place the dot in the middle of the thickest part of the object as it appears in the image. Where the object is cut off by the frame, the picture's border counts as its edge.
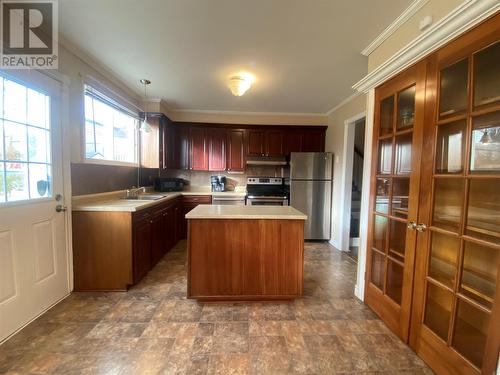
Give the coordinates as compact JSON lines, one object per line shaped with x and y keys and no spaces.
{"x":135,"y":192}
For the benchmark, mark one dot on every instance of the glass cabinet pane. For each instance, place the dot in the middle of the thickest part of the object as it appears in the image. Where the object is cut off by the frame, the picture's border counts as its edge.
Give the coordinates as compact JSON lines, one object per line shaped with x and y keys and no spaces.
{"x":400,"y":196}
{"x":382,"y":200}
{"x":403,"y":154}
{"x":406,"y":108}
{"x":379,"y":233}
{"x":386,"y":115}
{"x":450,"y":147}
{"x":453,"y":88}
{"x":448,"y":199}
{"x":471,"y":330}
{"x":443,"y":258}
{"x":487,"y":75}
{"x":394,"y":283}
{"x":397,"y":240}
{"x":485,"y":151}
{"x":479,"y":275}
{"x":385,"y":157}
{"x":483,"y":214}
{"x":377,"y":269}
{"x":438,"y":310}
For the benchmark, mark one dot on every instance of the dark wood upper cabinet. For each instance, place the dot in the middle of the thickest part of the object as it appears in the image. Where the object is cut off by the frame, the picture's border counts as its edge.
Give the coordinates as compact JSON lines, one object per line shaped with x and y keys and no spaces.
{"x":294,"y":139}
{"x":313,"y":141}
{"x":275,"y":143}
{"x":216,"y":149}
{"x":198,"y":146}
{"x":180,"y":147}
{"x":255,"y":142}
{"x":235,"y":150}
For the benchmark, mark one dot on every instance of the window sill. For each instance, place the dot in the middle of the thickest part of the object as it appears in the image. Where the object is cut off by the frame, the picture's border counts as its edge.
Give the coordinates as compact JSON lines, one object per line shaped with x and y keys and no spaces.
{"x":110,"y":162}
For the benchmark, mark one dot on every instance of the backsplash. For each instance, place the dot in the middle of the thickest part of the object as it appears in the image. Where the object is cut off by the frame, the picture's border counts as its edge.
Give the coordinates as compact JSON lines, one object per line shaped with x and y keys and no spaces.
{"x":202,"y":178}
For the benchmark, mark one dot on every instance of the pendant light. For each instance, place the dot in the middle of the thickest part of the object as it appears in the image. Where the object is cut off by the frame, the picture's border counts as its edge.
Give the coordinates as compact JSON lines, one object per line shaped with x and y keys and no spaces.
{"x":145,"y":127}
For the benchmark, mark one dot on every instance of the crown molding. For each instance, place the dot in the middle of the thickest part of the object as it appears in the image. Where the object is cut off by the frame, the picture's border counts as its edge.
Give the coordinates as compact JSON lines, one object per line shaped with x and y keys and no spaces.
{"x":414,"y":7}
{"x":464,"y":17}
{"x":343,"y":102}
{"x":248,"y":113}
{"x":99,"y":68}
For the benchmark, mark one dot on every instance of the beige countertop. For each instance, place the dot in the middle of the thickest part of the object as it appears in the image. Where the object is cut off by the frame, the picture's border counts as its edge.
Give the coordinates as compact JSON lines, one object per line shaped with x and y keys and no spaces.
{"x":112,"y":201}
{"x":205,"y":211}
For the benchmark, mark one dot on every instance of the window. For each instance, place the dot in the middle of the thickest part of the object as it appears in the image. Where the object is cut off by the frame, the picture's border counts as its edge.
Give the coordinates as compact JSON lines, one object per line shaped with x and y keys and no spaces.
{"x":25,"y":159}
{"x":110,"y":130}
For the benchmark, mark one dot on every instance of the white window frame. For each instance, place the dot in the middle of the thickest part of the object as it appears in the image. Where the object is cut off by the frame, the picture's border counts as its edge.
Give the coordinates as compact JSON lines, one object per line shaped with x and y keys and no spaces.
{"x":99,"y":95}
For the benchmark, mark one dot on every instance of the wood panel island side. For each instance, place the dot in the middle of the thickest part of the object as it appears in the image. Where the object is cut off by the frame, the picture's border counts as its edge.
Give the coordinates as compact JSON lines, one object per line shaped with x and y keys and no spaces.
{"x":245,"y":253}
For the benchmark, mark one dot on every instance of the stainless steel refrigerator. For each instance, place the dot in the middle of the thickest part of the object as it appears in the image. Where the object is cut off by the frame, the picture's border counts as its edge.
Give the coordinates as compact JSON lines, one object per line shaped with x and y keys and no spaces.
{"x":311,"y":176}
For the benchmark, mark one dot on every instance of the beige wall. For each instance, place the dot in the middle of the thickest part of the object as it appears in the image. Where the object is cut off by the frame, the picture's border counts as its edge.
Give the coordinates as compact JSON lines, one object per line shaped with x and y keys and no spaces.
{"x":335,"y":144}
{"x":410,"y":30}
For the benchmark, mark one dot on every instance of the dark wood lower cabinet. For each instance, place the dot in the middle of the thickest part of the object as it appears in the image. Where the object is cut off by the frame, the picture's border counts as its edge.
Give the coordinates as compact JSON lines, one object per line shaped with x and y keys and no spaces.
{"x":114,"y":250}
{"x":188,"y":203}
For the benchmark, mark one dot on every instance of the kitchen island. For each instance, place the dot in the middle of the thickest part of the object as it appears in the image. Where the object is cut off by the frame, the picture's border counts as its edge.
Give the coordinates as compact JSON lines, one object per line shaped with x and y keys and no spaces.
{"x":245,"y":253}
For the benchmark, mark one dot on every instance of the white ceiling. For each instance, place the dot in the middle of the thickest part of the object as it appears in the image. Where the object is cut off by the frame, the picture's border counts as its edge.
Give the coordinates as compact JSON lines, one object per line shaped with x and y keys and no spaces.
{"x":305,"y":54}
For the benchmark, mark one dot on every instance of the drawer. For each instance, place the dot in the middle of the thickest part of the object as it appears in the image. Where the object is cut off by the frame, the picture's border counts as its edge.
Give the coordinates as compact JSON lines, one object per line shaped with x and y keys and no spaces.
{"x":197,"y":199}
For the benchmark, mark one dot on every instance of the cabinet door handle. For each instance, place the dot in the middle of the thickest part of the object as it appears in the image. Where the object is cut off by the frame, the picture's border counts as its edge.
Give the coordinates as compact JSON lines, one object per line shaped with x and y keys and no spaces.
{"x":412,"y":225}
{"x":421,"y":228}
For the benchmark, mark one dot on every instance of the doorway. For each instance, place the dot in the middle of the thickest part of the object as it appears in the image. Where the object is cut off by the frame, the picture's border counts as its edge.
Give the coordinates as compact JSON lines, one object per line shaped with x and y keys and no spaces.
{"x":356,"y":186}
{"x":34,"y":265}
{"x":352,"y":183}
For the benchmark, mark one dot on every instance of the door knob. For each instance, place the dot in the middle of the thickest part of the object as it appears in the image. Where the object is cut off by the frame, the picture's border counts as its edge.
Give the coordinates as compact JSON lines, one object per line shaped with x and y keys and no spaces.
{"x":61,"y":208}
{"x":421,"y":228}
{"x":412,"y":225}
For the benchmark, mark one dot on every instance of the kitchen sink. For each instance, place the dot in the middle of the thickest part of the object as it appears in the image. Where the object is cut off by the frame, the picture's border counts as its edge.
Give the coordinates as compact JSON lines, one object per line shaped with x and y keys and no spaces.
{"x":149,"y":197}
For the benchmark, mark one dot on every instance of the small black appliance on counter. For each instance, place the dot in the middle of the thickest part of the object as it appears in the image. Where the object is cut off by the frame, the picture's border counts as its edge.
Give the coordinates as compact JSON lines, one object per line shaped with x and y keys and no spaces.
{"x":218,"y":183}
{"x":169,"y":184}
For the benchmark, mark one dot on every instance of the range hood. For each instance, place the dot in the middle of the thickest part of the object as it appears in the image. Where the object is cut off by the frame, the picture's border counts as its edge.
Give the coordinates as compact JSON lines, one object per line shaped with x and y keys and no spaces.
{"x":266,"y":160}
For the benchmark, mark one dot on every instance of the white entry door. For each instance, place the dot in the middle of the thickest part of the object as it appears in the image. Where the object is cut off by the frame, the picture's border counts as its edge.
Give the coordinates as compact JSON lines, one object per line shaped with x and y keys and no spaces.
{"x":33,"y":251}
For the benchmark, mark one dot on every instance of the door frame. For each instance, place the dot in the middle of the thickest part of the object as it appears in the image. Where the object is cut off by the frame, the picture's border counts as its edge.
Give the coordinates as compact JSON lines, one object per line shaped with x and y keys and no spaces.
{"x":346,"y":181}
{"x":65,"y":134}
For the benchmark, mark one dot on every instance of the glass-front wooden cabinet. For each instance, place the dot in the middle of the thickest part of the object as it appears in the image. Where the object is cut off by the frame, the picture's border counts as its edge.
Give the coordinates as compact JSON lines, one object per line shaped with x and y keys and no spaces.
{"x":398,"y":136}
{"x":433,"y":264}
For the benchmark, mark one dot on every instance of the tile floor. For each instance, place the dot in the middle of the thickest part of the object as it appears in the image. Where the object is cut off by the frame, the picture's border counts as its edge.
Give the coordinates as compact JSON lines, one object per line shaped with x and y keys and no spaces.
{"x":153,"y":329}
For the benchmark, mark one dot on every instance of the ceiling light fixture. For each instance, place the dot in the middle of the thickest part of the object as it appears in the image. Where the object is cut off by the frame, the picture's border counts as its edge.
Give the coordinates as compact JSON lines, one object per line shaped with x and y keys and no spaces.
{"x":239,"y":85}
{"x":144,"y":125}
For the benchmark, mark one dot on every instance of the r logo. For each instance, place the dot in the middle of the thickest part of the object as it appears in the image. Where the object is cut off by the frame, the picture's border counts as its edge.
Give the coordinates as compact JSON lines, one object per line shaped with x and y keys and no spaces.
{"x":29,"y":34}
{"x":27,"y":28}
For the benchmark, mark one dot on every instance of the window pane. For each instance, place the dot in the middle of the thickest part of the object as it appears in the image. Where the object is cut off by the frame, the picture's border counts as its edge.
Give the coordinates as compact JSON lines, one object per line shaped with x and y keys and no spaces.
{"x":471,"y":330}
{"x":382,"y":201}
{"x":2,"y":154}
{"x":400,"y":197}
{"x":377,"y":275}
{"x":40,"y":181}
{"x":397,"y":240}
{"x":487,"y":75}
{"x":483,"y":214}
{"x":485,"y":152}
{"x":14,"y":101}
{"x":37,"y":109}
{"x":479,"y":276}
{"x":438,"y":310}
{"x":443,"y":258}
{"x":15,"y":141}
{"x":385,"y":157}
{"x":379,"y":233}
{"x":1,"y":98}
{"x":453,"y":91}
{"x":394,"y":285}
{"x":450,"y":147}
{"x":38,"y":145}
{"x":386,"y":115}
{"x":16,"y":175}
{"x":403,"y":154}
{"x":110,"y":134}
{"x":2,"y":182}
{"x":406,"y":108}
{"x":448,"y":199}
